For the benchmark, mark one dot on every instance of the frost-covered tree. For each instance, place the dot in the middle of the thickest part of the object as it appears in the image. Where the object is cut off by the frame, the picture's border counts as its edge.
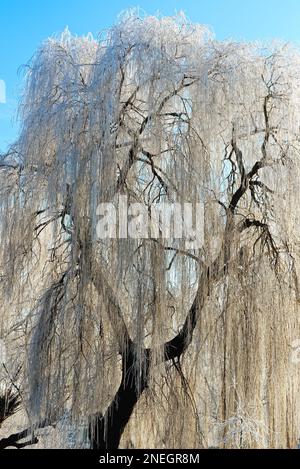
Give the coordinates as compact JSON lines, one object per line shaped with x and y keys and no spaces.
{"x":150,"y":340}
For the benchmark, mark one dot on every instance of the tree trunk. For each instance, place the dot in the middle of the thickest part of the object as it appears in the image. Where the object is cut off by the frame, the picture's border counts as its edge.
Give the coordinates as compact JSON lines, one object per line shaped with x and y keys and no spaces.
{"x":105,"y":431}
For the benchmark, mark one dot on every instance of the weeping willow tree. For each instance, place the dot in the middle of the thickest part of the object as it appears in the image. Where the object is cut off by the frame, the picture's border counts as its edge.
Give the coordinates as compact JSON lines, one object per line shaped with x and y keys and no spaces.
{"x":152,"y":341}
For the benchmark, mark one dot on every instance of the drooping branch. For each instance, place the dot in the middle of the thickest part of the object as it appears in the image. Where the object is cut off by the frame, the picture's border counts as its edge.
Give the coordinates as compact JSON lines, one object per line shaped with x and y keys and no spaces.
{"x":210,"y":275}
{"x":135,"y":146}
{"x":175,"y":347}
{"x":101,"y":283}
{"x":10,"y":399}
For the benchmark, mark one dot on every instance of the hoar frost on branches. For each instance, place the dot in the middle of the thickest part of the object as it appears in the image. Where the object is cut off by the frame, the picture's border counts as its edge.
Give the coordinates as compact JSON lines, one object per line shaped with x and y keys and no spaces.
{"x":144,"y":341}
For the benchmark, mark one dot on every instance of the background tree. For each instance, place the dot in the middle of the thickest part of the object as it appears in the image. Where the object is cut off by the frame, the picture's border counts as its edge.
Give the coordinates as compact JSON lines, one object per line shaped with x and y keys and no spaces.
{"x":147,"y":339}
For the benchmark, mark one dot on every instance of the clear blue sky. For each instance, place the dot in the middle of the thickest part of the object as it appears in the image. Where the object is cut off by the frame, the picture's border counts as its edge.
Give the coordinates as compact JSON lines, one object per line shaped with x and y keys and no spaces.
{"x":24,"y":24}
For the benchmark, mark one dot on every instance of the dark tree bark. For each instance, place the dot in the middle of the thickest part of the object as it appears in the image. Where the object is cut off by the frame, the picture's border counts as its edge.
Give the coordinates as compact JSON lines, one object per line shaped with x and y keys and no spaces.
{"x":14,"y":440}
{"x":105,"y":431}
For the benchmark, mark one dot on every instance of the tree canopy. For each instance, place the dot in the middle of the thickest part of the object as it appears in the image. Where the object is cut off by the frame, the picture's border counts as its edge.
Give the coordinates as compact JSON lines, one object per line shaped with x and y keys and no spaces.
{"x":152,"y":340}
